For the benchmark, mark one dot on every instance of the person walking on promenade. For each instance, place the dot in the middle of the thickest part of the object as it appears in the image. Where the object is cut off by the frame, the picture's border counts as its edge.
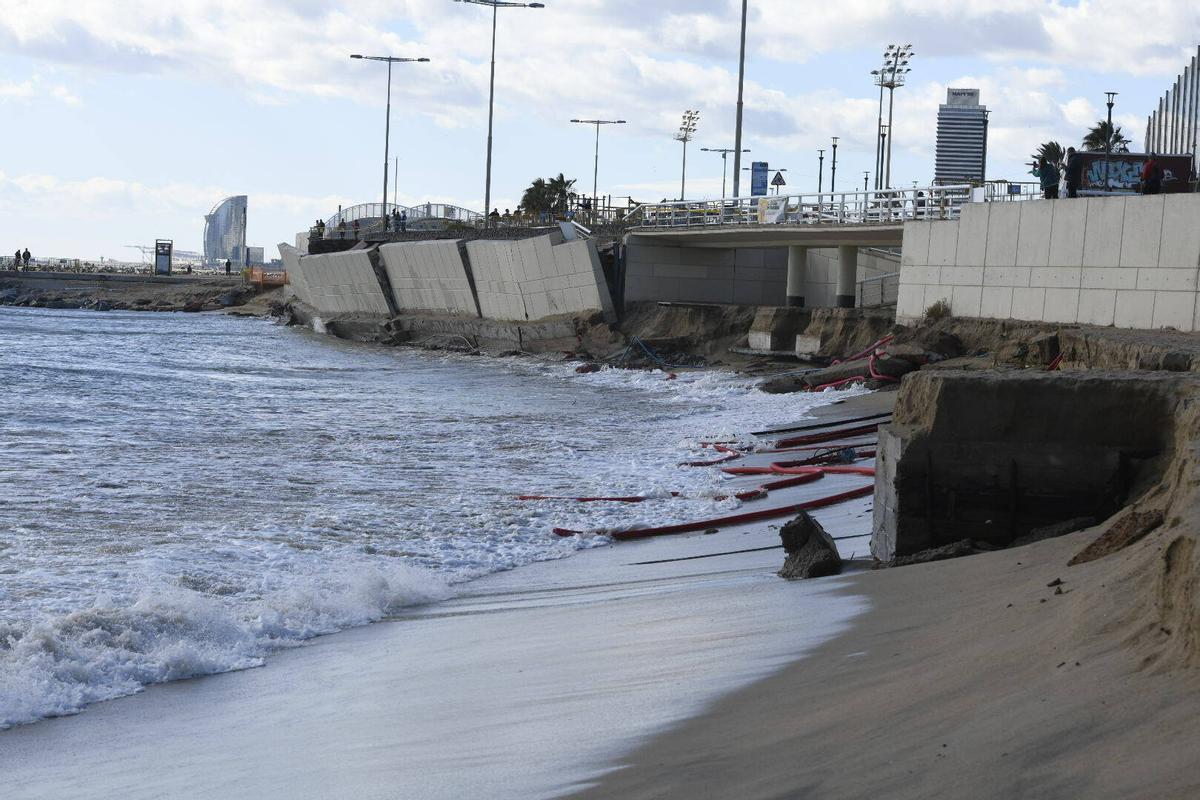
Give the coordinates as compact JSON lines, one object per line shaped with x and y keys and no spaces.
{"x":1047,"y":174}
{"x":1074,"y":172}
{"x":404,"y":222}
{"x":341,"y":229}
{"x":356,"y":229}
{"x":1152,"y":175}
{"x":25,"y":257}
{"x":228,"y":267}
{"x":395,"y":219}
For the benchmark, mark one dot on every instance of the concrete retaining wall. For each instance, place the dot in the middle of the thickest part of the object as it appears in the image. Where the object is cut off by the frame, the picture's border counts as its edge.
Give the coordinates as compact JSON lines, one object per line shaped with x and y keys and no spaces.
{"x":336,"y":283}
{"x":743,"y":276}
{"x":1132,"y":262}
{"x":429,"y":276}
{"x":533,"y":278}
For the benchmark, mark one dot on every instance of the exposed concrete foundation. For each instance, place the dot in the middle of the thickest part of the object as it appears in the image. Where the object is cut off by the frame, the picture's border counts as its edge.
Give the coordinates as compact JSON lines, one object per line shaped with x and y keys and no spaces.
{"x":847,"y":277}
{"x":797,"y":276}
{"x":990,"y":456}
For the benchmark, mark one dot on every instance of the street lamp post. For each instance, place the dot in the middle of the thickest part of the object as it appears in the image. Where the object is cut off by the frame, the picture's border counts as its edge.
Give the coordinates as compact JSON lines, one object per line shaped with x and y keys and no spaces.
{"x":890,"y":76}
{"x":495,"y":5}
{"x":725,"y":151}
{"x":833,"y":167}
{"x":596,"y":168}
{"x":737,"y":139}
{"x":1108,"y":141}
{"x":866,"y":177}
{"x":983,"y":166}
{"x":387,"y":125}
{"x":820,"y":171}
{"x":687,"y":132}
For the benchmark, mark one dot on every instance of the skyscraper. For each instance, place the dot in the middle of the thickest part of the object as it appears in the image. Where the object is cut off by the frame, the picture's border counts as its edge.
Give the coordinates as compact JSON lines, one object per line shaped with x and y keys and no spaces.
{"x":961,"y":138}
{"x":225,"y":231}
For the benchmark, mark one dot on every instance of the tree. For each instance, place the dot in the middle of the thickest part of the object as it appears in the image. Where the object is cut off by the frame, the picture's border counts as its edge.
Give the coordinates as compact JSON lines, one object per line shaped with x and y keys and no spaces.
{"x":547,"y":196}
{"x":1052,"y":151}
{"x":1101,"y":134}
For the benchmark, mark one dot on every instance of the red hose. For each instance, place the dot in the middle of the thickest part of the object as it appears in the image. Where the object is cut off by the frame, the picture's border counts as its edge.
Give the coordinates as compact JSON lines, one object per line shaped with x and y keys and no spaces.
{"x":885,"y":340}
{"x":826,"y":436}
{"x":735,"y":519}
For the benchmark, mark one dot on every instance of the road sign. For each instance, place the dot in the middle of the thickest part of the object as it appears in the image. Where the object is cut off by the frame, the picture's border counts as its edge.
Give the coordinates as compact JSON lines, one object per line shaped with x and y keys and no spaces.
{"x":758,"y":178}
{"x":778,"y":180}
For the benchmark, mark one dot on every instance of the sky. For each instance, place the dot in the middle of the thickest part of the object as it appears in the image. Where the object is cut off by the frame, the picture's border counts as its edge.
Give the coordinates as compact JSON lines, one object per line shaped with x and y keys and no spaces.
{"x":127,"y":120}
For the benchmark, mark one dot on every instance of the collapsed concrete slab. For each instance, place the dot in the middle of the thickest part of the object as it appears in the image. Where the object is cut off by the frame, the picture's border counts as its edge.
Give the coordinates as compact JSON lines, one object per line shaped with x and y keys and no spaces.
{"x":429,"y":276}
{"x":531,"y":279}
{"x":993,"y":456}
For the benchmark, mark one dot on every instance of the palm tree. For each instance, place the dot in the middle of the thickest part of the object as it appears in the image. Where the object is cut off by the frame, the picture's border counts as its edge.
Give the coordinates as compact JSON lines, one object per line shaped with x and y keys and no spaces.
{"x":537,"y":198}
{"x":1099,"y":137}
{"x":1052,"y":151}
{"x":559,"y":188}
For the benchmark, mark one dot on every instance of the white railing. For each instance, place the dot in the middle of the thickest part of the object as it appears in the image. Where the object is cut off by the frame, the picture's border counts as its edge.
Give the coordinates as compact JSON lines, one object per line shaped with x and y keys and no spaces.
{"x":881,"y":207}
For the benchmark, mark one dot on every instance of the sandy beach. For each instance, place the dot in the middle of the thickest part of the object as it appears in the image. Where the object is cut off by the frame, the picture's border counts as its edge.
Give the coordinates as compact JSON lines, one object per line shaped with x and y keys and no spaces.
{"x":968,"y":678}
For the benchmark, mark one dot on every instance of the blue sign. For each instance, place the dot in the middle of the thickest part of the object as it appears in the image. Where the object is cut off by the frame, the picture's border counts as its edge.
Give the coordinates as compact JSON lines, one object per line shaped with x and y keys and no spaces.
{"x":759,"y":175}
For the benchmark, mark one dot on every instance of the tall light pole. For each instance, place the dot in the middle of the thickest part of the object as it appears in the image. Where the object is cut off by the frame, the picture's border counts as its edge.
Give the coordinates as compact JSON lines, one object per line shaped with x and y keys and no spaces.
{"x":596,"y":169}
{"x":891,"y":75}
{"x":495,"y":5}
{"x":820,"y":171}
{"x":725,"y":151}
{"x":687,"y":132}
{"x":1108,"y":141}
{"x":387,"y":126}
{"x":983,"y":166}
{"x":737,"y":138}
{"x":833,"y":167}
{"x":866,"y":177}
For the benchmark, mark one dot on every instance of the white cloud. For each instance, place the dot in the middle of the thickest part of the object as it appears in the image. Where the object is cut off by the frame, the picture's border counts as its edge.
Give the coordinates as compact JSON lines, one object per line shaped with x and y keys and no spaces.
{"x":35,"y":88}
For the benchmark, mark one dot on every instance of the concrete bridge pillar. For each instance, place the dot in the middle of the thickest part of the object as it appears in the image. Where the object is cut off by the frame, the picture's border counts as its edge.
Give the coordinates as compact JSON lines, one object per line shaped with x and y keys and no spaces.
{"x":847,"y":277}
{"x":797,"y":275}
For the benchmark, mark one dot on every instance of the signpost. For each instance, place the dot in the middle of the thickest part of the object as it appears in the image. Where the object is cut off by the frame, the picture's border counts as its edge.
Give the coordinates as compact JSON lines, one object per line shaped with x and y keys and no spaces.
{"x":778,"y":181}
{"x":162,"y":256}
{"x":758,"y":179}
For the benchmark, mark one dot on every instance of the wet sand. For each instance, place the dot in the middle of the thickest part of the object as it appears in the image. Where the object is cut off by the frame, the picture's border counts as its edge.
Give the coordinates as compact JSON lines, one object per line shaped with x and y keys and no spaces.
{"x":968,"y":678}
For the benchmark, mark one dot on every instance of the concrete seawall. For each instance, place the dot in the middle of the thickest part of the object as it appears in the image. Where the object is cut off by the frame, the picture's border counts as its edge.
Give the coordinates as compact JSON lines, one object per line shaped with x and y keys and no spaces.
{"x":500,"y":283}
{"x":1131,"y":262}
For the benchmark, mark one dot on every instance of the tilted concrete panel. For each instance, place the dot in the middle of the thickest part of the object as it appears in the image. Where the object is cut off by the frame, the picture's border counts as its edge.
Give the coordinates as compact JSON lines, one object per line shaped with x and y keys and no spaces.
{"x":428,"y":276}
{"x":340,"y":283}
{"x":535,"y":278}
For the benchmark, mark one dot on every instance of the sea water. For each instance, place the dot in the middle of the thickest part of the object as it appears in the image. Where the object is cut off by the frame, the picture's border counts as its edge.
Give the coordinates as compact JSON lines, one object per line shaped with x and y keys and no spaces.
{"x":185,"y":494}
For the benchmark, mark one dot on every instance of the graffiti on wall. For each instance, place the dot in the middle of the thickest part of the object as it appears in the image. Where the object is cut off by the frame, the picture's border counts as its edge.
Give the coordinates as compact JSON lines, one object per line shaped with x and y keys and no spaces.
{"x":1125,"y":172}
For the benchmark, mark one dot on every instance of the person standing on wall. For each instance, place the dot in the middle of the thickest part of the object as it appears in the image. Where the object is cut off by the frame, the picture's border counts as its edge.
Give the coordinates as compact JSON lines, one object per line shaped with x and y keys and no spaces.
{"x":25,"y":256}
{"x":404,"y":222}
{"x":1074,"y":172}
{"x":17,"y":259}
{"x":1152,"y":175}
{"x":228,"y":267}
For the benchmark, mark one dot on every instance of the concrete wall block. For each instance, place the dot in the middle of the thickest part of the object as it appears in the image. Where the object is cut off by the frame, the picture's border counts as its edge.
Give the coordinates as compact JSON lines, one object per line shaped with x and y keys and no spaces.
{"x":1135,"y":309}
{"x":1180,"y":244}
{"x":915,"y":249}
{"x":1096,"y":306}
{"x":1033,"y":234}
{"x":775,"y":257}
{"x":1006,"y":276}
{"x":1055,"y":277}
{"x":911,"y":300}
{"x":1004,"y":225}
{"x":920,"y":274}
{"x":1068,"y":227}
{"x":935,"y":294}
{"x":678,"y":271}
{"x":973,"y":234}
{"x":943,"y":243}
{"x":1108,"y":278}
{"x":1141,"y":234}
{"x":966,"y":301}
{"x":962,"y":276}
{"x":1104,"y":224}
{"x":1174,"y":310}
{"x":652,"y":254}
{"x":1062,"y":305}
{"x":996,"y":302}
{"x":749,"y":257}
{"x":1164,"y":279}
{"x":1028,"y":304}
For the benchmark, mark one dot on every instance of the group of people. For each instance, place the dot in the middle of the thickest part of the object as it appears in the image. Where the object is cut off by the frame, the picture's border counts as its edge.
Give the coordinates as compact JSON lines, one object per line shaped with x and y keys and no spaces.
{"x":1049,"y":177}
{"x":396,"y":221}
{"x":21,"y":259}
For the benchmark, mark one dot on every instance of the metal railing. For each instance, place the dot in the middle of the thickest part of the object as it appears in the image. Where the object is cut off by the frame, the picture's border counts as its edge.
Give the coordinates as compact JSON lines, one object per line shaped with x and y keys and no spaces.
{"x":879,"y":207}
{"x":880,"y":290}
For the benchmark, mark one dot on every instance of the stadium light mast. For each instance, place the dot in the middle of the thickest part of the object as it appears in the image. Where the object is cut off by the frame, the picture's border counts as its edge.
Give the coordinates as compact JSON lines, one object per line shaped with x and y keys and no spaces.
{"x":687,"y":132}
{"x":495,"y":5}
{"x":890,"y":76}
{"x":387,"y":125}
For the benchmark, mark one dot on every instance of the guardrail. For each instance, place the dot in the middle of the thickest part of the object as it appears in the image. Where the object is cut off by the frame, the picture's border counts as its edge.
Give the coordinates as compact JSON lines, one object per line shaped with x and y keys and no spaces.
{"x":880,"y":290}
{"x":880,"y":207}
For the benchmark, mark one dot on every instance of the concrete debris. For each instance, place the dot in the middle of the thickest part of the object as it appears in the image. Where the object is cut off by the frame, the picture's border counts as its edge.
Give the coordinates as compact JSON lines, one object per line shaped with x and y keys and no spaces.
{"x":1126,"y":530}
{"x":811,"y":552}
